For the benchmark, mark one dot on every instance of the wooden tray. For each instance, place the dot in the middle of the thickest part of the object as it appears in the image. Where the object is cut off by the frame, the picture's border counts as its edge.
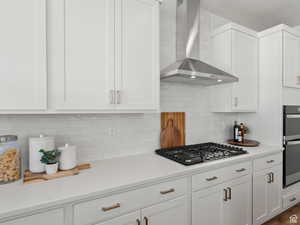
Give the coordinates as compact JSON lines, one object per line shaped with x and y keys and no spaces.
{"x":30,"y":178}
{"x":246,"y":143}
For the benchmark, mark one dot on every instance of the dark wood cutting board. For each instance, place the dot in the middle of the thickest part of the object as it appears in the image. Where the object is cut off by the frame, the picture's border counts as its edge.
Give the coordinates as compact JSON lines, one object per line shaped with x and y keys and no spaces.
{"x":172,"y":129}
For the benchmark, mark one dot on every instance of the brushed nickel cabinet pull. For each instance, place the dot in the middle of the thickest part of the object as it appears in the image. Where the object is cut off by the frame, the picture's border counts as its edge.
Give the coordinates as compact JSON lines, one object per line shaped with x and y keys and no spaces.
{"x":270,"y":161}
{"x":118,"y":97}
{"x":229,"y":193}
{"x":241,"y":170}
{"x":212,"y":178}
{"x":138,"y":222}
{"x":105,"y":209}
{"x":168,"y":191}
{"x":146,"y":220}
{"x":293,"y":199}
{"x":272,"y":177}
{"x":269,"y":178}
{"x":236,"y":102}
{"x":225,"y":195}
{"x":112,"y":97}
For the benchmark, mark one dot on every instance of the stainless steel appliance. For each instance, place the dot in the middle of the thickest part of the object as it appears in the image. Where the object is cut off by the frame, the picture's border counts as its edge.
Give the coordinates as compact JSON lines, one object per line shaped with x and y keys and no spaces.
{"x":194,"y":154}
{"x":188,"y":68}
{"x":291,"y":143}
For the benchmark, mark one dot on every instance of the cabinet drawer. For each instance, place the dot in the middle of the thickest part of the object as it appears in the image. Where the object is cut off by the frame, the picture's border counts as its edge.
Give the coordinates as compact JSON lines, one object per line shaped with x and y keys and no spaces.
{"x":48,"y":218}
{"x":104,"y":208}
{"x":219,"y":176}
{"x":290,"y":200}
{"x":267,"y":162}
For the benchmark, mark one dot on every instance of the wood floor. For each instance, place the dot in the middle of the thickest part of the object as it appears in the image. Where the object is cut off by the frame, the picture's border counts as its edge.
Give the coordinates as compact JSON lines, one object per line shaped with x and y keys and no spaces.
{"x":291,"y":216}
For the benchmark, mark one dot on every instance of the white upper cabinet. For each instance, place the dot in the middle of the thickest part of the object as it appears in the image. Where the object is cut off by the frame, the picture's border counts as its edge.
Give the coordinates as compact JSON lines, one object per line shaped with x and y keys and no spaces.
{"x":235,"y":50}
{"x":107,"y":55}
{"x":137,"y":54}
{"x":86,"y":80}
{"x":291,"y":59}
{"x":23,"y":74}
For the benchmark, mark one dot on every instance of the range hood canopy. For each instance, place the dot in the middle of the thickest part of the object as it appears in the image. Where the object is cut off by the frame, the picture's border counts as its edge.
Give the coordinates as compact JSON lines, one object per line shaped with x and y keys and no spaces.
{"x":188,"y":68}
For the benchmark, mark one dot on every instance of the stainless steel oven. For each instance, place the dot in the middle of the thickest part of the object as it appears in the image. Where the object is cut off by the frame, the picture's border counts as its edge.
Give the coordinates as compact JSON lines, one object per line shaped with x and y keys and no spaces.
{"x":291,"y":142}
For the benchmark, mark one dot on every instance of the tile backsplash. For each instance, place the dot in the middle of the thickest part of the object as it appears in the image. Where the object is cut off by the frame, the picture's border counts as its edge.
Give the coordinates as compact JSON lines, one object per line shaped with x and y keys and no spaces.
{"x":111,"y":135}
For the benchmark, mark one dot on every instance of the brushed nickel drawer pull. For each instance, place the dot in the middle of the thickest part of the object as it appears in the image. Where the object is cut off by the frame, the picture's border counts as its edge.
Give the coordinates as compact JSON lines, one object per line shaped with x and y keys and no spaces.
{"x":241,"y":170}
{"x":105,"y":209}
{"x":293,"y":199}
{"x":270,"y":161}
{"x":212,"y":178}
{"x":168,"y":191}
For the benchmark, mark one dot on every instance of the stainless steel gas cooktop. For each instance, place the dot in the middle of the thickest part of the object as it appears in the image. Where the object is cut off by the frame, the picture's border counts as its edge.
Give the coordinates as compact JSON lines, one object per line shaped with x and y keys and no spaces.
{"x":200,"y":153}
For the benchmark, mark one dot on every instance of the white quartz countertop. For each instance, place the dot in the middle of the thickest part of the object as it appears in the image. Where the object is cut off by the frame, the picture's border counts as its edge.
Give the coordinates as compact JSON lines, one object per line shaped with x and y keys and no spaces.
{"x":105,"y":177}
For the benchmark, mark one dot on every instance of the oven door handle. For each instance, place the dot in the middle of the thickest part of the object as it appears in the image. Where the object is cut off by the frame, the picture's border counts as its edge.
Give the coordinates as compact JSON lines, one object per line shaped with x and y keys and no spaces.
{"x":292,"y":143}
{"x":293,"y":116}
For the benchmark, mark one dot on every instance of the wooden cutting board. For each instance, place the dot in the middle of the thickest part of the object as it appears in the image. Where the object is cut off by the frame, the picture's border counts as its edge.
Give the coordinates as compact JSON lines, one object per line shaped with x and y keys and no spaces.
{"x":172,"y":129}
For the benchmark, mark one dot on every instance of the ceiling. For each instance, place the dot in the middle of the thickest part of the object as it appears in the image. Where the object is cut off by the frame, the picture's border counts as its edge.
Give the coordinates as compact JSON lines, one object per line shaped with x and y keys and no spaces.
{"x":256,"y":14}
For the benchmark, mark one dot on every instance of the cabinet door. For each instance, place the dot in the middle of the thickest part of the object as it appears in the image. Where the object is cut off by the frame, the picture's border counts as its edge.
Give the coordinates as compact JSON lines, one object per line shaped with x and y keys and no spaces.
{"x":49,"y":218}
{"x":137,"y":54}
{"x":23,"y":77}
{"x":237,"y":210}
{"x":86,"y":80}
{"x":221,"y":50}
{"x":171,"y":212}
{"x":274,"y":192}
{"x":291,"y":58}
{"x":260,"y":197}
{"x":129,"y":219}
{"x":245,"y":67}
{"x":207,"y":206}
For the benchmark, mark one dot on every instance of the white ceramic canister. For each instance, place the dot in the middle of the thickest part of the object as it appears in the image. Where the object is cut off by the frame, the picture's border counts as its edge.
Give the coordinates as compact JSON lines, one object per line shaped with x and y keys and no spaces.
{"x":35,"y":145}
{"x":68,"y":158}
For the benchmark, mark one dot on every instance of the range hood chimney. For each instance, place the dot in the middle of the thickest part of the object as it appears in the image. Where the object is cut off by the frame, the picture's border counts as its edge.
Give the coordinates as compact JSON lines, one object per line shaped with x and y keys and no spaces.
{"x":188,"y":68}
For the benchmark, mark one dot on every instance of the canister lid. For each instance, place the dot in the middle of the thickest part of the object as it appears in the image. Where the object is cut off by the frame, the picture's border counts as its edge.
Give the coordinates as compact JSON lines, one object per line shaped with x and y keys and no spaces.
{"x":8,"y":138}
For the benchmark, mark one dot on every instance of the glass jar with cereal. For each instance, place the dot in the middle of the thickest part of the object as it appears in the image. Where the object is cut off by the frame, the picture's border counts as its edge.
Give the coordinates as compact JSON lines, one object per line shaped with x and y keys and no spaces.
{"x":10,"y":159}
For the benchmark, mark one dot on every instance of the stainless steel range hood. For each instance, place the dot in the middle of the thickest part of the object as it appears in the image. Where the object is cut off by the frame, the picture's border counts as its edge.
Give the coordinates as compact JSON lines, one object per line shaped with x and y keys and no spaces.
{"x":188,"y":68}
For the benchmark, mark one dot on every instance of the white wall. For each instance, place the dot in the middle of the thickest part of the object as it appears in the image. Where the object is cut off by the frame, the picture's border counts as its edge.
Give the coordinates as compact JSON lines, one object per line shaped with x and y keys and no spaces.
{"x":106,"y":136}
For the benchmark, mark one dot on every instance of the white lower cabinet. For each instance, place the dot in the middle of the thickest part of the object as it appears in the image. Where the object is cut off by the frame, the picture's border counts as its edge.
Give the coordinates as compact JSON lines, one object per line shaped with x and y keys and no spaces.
{"x":207,"y":206}
{"x":173,"y":212}
{"x":267,"y":199}
{"x":227,"y":204}
{"x":54,"y":217}
{"x":237,"y":206}
{"x":128,"y":219}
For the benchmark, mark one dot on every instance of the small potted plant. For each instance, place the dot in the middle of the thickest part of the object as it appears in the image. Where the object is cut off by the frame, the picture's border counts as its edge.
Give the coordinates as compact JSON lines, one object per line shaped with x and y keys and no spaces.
{"x":50,"y":159}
